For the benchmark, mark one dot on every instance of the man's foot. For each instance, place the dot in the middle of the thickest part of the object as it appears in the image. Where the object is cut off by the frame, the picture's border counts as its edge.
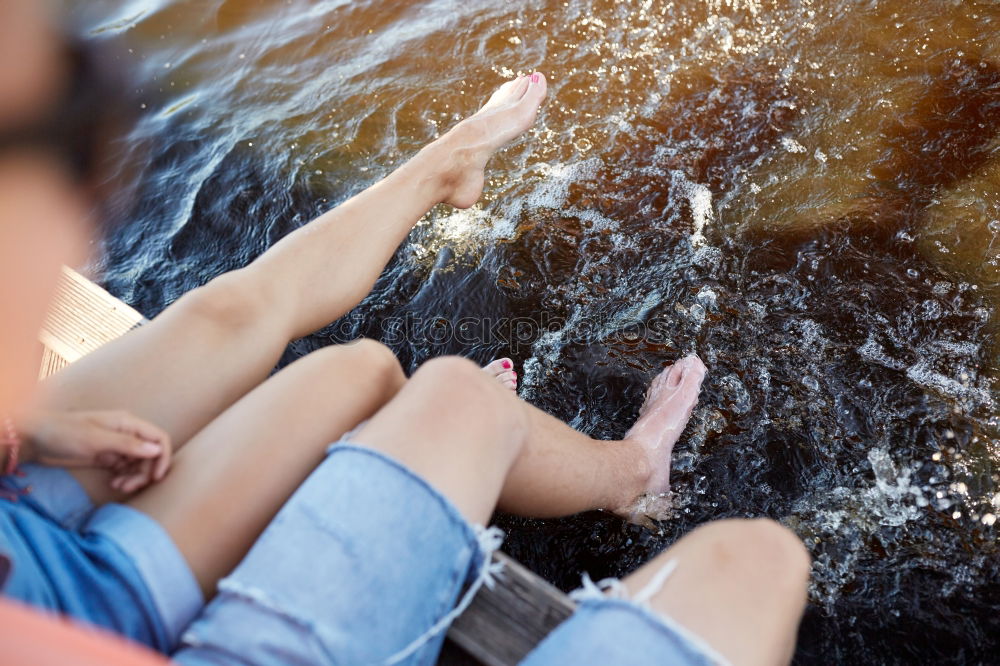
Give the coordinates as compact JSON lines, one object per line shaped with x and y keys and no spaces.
{"x":669,"y":402}
{"x":503,"y":370}
{"x":468,"y":146}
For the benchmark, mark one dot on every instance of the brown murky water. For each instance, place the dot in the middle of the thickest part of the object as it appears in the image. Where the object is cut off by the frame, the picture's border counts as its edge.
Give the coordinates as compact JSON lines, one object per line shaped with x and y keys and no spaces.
{"x":805,"y":193}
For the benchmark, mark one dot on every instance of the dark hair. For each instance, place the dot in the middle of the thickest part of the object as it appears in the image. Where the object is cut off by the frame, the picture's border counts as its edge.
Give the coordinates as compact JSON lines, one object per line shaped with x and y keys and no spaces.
{"x":83,"y":124}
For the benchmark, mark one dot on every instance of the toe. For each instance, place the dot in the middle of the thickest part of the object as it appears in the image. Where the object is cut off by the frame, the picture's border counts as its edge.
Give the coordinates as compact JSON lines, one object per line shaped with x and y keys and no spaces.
{"x":520,"y":87}
{"x":534,"y":90}
{"x":662,"y":378}
{"x":499,"y":366}
{"x":659,"y":382}
{"x":509,"y":379}
{"x":692,"y":370}
{"x":511,"y":91}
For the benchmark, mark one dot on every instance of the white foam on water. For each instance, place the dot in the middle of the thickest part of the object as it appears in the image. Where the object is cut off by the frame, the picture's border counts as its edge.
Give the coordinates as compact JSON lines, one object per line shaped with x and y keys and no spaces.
{"x":750,"y":6}
{"x":598,"y":221}
{"x":552,"y":188}
{"x":708,"y":257}
{"x":791,"y":145}
{"x":892,"y":490}
{"x":873,"y":352}
{"x":736,"y":395}
{"x":812,"y":336}
{"x":707,"y":297}
{"x":700,"y":199}
{"x":967,"y":349}
{"x":923,"y":374}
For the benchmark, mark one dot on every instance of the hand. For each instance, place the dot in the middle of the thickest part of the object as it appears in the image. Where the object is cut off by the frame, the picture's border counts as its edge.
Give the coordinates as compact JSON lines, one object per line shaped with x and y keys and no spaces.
{"x":137,"y":453}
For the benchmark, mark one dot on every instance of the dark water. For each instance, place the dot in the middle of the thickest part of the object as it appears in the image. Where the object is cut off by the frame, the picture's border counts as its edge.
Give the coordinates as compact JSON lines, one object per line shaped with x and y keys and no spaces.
{"x":807,"y":194}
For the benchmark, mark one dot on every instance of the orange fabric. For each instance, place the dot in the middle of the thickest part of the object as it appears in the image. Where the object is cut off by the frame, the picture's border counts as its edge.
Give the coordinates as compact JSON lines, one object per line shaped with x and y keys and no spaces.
{"x":30,"y":638}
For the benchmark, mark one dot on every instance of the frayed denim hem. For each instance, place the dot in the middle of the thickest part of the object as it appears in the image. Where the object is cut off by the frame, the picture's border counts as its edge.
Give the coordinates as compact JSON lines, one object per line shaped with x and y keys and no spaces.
{"x":612,"y":592}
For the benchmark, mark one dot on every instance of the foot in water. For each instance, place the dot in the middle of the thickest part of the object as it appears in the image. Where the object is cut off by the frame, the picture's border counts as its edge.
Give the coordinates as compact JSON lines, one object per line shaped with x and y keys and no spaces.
{"x":669,"y":402}
{"x":468,"y":146}
{"x":503,"y":370}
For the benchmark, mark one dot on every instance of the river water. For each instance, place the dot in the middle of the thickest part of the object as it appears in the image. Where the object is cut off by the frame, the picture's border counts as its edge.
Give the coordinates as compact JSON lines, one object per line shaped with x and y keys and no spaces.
{"x":806,"y":193}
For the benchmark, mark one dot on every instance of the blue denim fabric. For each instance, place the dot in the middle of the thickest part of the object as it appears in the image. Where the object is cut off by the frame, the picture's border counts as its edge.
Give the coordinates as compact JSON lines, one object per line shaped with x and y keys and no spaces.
{"x":112,"y":566}
{"x":364,"y":561}
{"x":620,"y":632}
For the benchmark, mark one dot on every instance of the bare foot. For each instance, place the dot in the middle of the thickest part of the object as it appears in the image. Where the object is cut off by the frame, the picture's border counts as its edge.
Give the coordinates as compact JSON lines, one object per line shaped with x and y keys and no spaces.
{"x":669,"y":402}
{"x":503,"y":370}
{"x":468,"y":146}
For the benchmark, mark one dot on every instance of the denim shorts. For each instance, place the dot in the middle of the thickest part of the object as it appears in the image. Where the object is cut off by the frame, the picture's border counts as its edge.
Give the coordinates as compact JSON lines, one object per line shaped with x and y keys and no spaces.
{"x":111,"y":566}
{"x":367,"y":563}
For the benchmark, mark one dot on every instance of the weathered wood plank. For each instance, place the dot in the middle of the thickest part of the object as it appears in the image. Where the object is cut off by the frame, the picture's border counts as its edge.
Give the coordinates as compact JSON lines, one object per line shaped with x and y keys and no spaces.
{"x":501,"y":625}
{"x":504,"y":624}
{"x":83,"y":317}
{"x":51,"y":363}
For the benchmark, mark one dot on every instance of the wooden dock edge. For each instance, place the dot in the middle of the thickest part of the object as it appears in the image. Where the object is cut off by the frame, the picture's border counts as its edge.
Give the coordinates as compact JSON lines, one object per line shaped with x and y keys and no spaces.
{"x":502,"y":624}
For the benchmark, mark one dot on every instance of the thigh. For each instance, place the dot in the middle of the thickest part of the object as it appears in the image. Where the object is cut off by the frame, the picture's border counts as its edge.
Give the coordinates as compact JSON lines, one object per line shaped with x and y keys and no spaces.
{"x":236,"y":473}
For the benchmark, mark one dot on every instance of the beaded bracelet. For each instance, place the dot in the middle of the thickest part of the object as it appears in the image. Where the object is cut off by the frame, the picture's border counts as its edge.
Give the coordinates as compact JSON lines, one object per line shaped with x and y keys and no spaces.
{"x":12,"y":442}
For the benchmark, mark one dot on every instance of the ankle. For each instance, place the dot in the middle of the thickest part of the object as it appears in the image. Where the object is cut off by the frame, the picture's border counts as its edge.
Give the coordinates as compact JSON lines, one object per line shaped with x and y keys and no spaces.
{"x":445,"y":164}
{"x":637,"y":471}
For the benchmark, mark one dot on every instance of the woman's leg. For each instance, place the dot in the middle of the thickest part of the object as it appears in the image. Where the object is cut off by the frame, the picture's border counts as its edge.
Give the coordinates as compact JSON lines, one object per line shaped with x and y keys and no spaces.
{"x":235,"y":474}
{"x":483,"y":448}
{"x":739,"y":585}
{"x":218,"y":341}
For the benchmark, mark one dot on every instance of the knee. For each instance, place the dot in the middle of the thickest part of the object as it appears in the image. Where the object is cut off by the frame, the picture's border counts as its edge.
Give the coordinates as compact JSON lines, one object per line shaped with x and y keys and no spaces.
{"x":460,"y":384}
{"x":372,"y":354}
{"x":759,"y":550}
{"x":227,"y":302}
{"x":451,"y":375}
{"x":365,"y":361}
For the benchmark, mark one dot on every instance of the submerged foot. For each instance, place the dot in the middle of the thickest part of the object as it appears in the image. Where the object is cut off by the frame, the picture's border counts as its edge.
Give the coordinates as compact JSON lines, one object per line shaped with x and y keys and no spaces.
{"x":468,"y":146}
{"x":503,"y":370}
{"x":669,"y":402}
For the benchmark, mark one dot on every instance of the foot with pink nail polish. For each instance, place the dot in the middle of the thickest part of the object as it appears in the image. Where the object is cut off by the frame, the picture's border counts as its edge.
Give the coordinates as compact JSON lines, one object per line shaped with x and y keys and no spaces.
{"x":669,"y":402}
{"x":466,"y":148}
{"x":503,"y":370}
